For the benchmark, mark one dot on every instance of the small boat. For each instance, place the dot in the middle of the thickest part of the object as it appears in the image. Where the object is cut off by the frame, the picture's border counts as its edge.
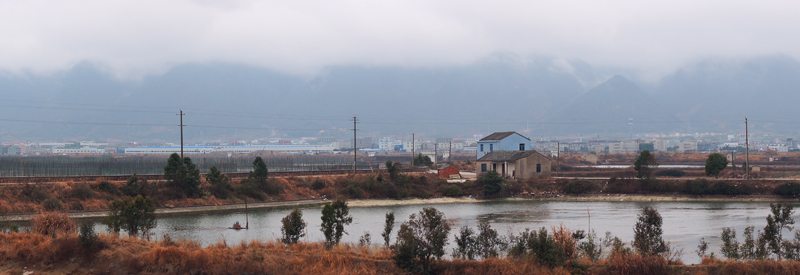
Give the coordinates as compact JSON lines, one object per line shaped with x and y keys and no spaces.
{"x":237,"y":225}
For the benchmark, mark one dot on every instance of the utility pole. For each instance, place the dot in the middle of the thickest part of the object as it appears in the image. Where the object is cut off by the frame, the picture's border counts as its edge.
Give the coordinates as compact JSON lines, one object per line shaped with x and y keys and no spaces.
{"x":558,"y":157}
{"x":435,"y":152}
{"x":355,"y":148}
{"x":413,"y":147}
{"x":450,"y":150}
{"x":746,"y":150}
{"x":181,"y":114}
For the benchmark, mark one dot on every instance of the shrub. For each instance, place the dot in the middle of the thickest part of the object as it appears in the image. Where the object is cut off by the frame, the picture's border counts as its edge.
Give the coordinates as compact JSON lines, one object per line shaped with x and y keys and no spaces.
{"x":465,"y":244}
{"x":334,"y":217}
{"x":491,"y":182}
{"x":580,"y":187}
{"x":355,"y":192}
{"x":220,"y":186}
{"x":421,"y":240}
{"x":787,"y":189}
{"x":452,"y":191}
{"x":52,"y":204}
{"x":51,"y":223}
{"x":135,"y":215}
{"x":623,"y":186}
{"x":318,"y":184}
{"x":272,"y":188}
{"x":542,"y":246}
{"x":488,"y":242}
{"x":108,"y":188}
{"x":293,"y":227}
{"x":647,"y":232}
{"x":724,"y":188}
{"x":86,"y":236}
{"x":82,"y":191}
{"x":250,"y":189}
{"x":695,"y":187}
{"x":387,"y":228}
{"x":671,"y":173}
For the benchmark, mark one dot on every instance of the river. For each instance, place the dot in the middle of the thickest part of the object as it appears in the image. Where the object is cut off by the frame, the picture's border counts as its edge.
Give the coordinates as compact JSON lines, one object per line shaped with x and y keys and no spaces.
{"x":684,"y":222}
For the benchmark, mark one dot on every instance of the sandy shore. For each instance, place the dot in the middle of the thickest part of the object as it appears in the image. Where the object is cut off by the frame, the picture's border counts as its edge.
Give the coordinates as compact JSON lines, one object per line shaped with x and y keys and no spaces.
{"x":643,"y":198}
{"x":368,"y":203}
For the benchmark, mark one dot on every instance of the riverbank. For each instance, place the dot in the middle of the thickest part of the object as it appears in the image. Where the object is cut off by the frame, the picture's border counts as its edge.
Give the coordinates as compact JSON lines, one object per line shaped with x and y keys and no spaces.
{"x":443,"y":200}
{"x":186,"y":210}
{"x":585,"y":198}
{"x":662,"y":198}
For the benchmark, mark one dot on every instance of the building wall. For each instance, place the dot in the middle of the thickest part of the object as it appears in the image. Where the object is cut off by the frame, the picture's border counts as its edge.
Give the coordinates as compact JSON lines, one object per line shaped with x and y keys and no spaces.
{"x":524,"y":168}
{"x":510,"y":143}
{"x":687,"y":146}
{"x":450,"y":170}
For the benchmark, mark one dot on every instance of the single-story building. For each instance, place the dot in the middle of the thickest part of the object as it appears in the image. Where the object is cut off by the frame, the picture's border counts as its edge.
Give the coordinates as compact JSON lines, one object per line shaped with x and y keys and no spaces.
{"x":447,"y":170}
{"x":515,"y":164}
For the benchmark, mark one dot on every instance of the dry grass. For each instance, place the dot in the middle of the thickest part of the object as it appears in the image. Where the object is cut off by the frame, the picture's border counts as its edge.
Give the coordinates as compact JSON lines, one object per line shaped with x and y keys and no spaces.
{"x":495,"y":266}
{"x":717,"y":266}
{"x":52,"y":224}
{"x":134,"y":256}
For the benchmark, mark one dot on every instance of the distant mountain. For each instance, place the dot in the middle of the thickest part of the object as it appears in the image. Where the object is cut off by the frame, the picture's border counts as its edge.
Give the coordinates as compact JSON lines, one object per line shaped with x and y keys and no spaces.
{"x":243,"y":102}
{"x":536,"y":96}
{"x":716,"y":95}
{"x":608,"y":107}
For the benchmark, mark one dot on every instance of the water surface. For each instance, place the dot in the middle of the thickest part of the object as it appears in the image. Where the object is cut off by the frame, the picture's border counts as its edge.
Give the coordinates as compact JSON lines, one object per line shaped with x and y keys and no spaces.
{"x":684,"y":222}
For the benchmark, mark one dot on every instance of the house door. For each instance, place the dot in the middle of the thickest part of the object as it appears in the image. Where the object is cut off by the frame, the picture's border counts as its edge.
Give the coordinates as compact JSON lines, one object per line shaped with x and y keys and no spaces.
{"x":504,"y":169}
{"x":494,"y":167}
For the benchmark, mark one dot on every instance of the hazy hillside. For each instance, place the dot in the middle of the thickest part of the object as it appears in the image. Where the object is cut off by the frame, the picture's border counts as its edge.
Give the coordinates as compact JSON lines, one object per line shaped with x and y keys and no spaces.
{"x":716,"y":95}
{"x":246,"y":102}
{"x":538,"y":96}
{"x":608,"y":107}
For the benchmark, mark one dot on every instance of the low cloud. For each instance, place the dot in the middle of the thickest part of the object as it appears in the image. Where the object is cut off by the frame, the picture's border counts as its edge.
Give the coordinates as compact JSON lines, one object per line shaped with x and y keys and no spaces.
{"x":137,"y":38}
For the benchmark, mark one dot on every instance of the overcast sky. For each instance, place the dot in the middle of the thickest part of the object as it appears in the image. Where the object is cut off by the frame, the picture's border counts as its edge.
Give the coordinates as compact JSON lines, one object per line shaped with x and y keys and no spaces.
{"x":135,"y":38}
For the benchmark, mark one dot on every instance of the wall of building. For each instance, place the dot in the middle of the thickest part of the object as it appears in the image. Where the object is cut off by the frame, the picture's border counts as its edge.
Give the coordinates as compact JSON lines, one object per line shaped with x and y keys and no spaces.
{"x":510,"y":143}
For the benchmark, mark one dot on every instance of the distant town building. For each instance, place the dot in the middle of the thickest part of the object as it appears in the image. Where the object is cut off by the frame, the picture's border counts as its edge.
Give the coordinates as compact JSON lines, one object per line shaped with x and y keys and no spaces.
{"x":503,"y":141}
{"x":193,"y":150}
{"x":687,"y":146}
{"x":661,"y":145}
{"x":781,"y":148}
{"x":623,"y":147}
{"x":590,"y":158}
{"x":13,"y":150}
{"x":515,"y":164}
{"x":84,"y":150}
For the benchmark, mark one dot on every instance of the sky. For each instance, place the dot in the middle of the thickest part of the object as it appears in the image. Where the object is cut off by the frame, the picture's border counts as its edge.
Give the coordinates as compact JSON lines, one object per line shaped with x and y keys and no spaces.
{"x":133,"y":39}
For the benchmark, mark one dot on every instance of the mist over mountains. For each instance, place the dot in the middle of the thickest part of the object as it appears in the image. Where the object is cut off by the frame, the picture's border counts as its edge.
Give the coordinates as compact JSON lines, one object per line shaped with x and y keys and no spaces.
{"x":538,"y":96}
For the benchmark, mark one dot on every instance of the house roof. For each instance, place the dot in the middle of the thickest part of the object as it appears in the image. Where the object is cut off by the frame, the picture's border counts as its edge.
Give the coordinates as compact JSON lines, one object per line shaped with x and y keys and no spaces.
{"x":445,"y":166}
{"x":501,"y":135}
{"x":507,"y":155}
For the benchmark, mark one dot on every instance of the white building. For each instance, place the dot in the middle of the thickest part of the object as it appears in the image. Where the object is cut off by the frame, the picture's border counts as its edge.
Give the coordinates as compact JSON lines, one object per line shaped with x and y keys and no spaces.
{"x":84,"y":150}
{"x":782,"y":148}
{"x":388,"y":144}
{"x":296,"y":149}
{"x":687,"y":146}
{"x":623,"y":147}
{"x":661,"y":145}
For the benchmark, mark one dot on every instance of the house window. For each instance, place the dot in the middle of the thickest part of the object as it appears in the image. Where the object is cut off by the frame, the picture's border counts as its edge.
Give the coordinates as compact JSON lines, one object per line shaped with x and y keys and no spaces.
{"x":491,"y":147}
{"x":481,"y":147}
{"x":494,"y":166}
{"x":538,"y":168}
{"x":522,"y":146}
{"x":483,"y":167}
